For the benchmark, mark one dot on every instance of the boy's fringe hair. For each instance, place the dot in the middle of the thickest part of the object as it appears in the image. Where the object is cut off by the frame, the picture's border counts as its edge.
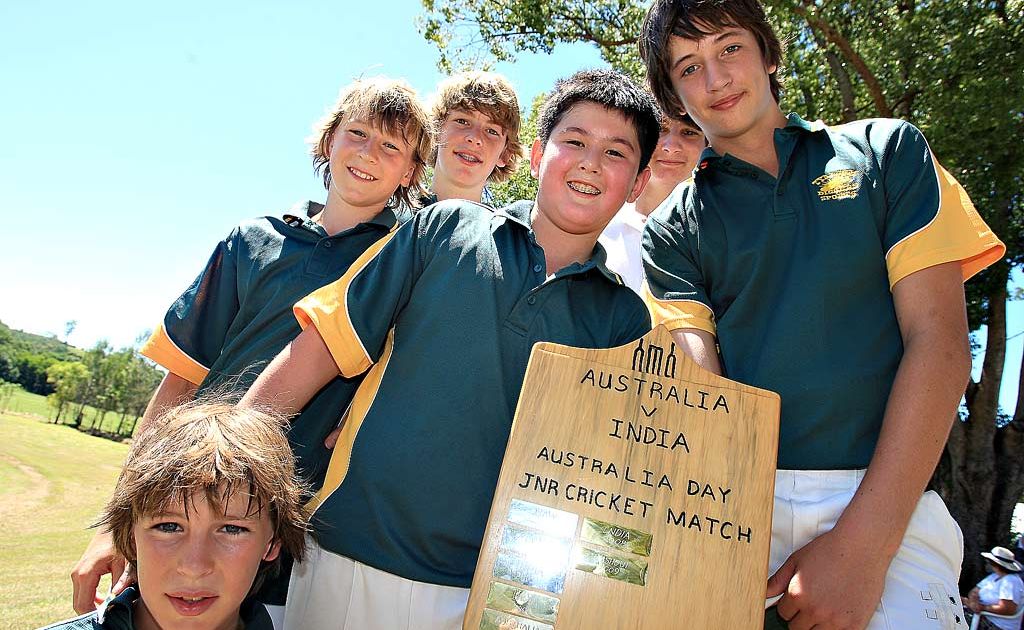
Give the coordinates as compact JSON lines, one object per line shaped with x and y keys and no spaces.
{"x":613,"y":91}
{"x":390,"y":105}
{"x":209,"y":448}
{"x":490,"y":94}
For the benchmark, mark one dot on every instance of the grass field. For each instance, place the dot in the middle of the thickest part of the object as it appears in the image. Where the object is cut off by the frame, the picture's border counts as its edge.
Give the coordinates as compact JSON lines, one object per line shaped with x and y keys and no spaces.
{"x":53,"y":481}
{"x":27,"y":402}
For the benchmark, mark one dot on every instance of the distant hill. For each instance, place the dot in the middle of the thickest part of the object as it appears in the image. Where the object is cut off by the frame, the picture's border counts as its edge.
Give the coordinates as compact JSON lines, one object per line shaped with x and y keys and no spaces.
{"x":20,"y":340}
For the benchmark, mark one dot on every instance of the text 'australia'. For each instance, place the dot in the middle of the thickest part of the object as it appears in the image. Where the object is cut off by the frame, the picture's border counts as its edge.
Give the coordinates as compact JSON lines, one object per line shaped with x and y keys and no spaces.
{"x":654,"y":389}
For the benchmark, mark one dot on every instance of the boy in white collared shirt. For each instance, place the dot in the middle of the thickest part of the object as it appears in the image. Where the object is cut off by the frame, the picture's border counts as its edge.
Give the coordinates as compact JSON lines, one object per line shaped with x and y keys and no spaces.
{"x":679,"y":146}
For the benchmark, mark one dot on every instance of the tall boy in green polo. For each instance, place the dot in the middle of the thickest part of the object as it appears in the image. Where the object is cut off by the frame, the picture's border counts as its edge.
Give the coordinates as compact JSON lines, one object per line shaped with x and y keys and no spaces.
{"x":443,"y":315}
{"x":372,"y":147}
{"x":827,"y":263}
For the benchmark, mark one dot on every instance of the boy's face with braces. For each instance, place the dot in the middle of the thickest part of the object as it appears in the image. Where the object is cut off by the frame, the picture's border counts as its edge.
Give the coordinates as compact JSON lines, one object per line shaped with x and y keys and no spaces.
{"x":196,"y":566}
{"x":587,"y":169}
{"x":470,"y":146}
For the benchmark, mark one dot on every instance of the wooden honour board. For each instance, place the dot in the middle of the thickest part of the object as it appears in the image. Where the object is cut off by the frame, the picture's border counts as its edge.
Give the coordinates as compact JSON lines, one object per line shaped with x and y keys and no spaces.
{"x":636,"y":492}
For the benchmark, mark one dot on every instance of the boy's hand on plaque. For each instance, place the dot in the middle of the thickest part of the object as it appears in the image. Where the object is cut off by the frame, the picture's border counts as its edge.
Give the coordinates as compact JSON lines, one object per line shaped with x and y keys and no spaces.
{"x":830,"y":584}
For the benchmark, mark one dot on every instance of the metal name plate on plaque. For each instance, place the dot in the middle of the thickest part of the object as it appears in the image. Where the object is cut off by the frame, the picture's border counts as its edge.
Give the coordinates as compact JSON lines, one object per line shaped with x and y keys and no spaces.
{"x":636,"y":492}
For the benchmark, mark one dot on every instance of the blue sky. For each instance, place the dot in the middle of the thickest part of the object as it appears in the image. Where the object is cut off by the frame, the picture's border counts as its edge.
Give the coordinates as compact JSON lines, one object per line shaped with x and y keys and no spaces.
{"x":134,"y":136}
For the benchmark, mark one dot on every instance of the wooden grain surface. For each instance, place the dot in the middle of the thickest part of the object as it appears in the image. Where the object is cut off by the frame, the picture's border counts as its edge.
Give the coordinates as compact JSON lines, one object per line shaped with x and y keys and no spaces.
{"x":700,"y":451}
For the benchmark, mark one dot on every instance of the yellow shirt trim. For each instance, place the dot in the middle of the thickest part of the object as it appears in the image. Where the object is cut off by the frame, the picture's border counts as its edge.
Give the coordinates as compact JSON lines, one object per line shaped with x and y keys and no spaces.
{"x":337,"y":470}
{"x":161,"y":349}
{"x":956,"y":233}
{"x":676,"y":314}
{"x":327,"y":310}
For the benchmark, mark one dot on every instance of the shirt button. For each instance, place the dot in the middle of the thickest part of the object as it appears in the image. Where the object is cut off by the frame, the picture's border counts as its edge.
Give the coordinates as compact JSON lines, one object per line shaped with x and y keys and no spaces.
{"x":531,"y":300}
{"x":328,"y":244}
{"x":537,"y":269}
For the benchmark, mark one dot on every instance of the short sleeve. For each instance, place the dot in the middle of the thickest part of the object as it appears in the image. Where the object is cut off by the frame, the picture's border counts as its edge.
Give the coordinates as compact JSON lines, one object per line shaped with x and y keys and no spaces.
{"x":354,"y":314}
{"x":674,"y":287}
{"x":929,"y":219}
{"x":1011,"y":588}
{"x":191,"y":336}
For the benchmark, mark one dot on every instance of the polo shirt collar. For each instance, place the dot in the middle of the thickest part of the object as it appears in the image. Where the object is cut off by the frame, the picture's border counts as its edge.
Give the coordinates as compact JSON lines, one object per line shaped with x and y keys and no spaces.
{"x":794,"y":123}
{"x":629,"y":217}
{"x":301,"y":215}
{"x":119,"y":608}
{"x":519,"y":213}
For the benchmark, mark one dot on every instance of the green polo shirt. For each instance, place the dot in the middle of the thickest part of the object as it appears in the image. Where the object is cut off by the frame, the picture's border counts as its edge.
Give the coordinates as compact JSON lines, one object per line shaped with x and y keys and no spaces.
{"x":117,"y":614}
{"x":237,"y":314}
{"x":444,"y":314}
{"x":794,"y":274}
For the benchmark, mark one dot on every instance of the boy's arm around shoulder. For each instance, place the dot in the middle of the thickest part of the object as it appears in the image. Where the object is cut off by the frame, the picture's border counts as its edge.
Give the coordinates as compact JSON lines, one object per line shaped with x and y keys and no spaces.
{"x":295,"y":375}
{"x":838,"y":578}
{"x":345,"y":323}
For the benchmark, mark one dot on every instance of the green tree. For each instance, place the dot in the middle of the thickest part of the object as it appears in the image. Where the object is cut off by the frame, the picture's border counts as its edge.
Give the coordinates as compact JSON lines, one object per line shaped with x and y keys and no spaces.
{"x":522,"y":184}
{"x":69,"y":379}
{"x":7,"y":391}
{"x":952,"y":67}
{"x":69,"y":327}
{"x":134,"y":383}
{"x":97,"y":389}
{"x":31,"y":370}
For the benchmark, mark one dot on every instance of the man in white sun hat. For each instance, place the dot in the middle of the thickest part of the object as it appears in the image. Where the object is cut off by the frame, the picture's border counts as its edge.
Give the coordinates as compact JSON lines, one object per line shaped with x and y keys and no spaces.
{"x":1001,"y":592}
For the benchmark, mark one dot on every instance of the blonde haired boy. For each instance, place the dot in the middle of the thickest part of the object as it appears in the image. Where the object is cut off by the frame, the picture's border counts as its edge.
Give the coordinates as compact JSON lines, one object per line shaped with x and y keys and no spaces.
{"x":371,"y":149}
{"x":477,"y":119}
{"x":206,"y":500}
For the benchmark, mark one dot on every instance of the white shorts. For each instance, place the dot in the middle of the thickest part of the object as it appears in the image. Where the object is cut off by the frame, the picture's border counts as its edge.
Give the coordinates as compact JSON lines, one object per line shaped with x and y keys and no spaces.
{"x":921,"y":586}
{"x":332,"y":592}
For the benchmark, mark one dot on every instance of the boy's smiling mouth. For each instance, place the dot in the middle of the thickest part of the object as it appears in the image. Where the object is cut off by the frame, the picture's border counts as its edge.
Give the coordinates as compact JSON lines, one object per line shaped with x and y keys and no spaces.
{"x":361,"y":175}
{"x":584,"y":188}
{"x":468,"y":157}
{"x":727,"y":102}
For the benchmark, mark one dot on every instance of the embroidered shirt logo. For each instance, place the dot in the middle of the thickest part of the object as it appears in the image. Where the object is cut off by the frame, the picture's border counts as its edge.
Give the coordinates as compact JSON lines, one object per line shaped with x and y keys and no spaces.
{"x":842,"y":184}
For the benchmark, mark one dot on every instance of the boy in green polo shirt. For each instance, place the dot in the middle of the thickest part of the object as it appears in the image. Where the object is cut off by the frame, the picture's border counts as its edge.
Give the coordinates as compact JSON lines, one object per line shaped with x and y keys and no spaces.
{"x":442,"y":317}
{"x":476,"y":115}
{"x":827,"y":263}
{"x":371,"y":147}
{"x":207,"y":499}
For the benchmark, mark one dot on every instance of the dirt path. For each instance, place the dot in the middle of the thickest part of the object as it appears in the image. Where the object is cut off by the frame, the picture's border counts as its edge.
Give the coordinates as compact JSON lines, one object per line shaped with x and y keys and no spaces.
{"x":24,"y":501}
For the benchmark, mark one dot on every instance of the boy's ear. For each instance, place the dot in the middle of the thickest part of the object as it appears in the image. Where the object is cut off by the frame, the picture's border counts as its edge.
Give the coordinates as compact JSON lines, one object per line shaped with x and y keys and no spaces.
{"x":536,"y":153}
{"x":329,"y":142}
{"x":638,"y":184}
{"x":407,"y":178}
{"x":503,"y":158}
{"x":273,"y":549}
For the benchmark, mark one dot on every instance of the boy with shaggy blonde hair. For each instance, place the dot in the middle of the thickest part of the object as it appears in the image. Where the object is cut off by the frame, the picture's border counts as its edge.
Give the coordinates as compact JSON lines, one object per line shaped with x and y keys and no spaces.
{"x":206,"y":501}
{"x":371,"y":149}
{"x":476,"y":115}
